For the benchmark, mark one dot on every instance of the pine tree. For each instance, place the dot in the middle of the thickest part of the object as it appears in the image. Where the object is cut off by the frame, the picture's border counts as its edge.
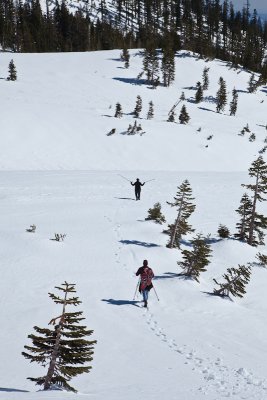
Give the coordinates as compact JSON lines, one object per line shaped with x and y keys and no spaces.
{"x":205,"y":78}
{"x":262,"y":259}
{"x":118,"y":111}
{"x":155,"y":214}
{"x":258,"y":222}
{"x":221,"y":98}
{"x":171,"y":117}
{"x":168,"y":66}
{"x":184,"y":116}
{"x":196,"y":260}
{"x":233,"y":104}
{"x":252,"y":84}
{"x":12,"y":71}
{"x":138,"y":107}
{"x":64,"y":347}
{"x":244,"y":210}
{"x":199,"y":93}
{"x":223,"y":231}
{"x":125,"y":56}
{"x":185,"y":207}
{"x":182,"y":97}
{"x":236,"y":279}
{"x":151,"y":64}
{"x":150,"y":113}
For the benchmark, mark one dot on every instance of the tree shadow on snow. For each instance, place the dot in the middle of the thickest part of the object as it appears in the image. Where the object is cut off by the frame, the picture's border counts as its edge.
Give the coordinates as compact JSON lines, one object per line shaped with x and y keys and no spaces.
{"x":122,"y":302}
{"x":124,"y":198}
{"x":216,"y":295}
{"x":206,"y":109}
{"x":13,"y":390}
{"x":167,"y":275}
{"x":132,"y":81}
{"x":139,"y":243}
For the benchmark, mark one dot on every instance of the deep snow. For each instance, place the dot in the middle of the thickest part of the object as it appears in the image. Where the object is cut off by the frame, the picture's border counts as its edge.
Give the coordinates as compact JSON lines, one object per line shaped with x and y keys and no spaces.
{"x":188,"y":345}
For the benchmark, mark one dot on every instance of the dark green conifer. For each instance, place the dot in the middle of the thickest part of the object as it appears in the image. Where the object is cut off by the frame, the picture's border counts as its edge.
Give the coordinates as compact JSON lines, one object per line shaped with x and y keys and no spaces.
{"x":118,"y":111}
{"x":196,"y":260}
{"x":171,"y":117}
{"x":12,"y":71}
{"x":233,"y":104}
{"x":125,"y":56}
{"x":185,"y":207}
{"x":221,"y":97}
{"x":244,"y":210}
{"x":199,"y":93}
{"x":64,"y":349}
{"x":155,"y":214}
{"x":236,"y":280}
{"x":252,"y":84}
{"x":262,"y":259}
{"x":205,"y":78}
{"x":223,"y":231}
{"x":150,"y":113}
{"x":138,"y":107}
{"x":184,"y":116}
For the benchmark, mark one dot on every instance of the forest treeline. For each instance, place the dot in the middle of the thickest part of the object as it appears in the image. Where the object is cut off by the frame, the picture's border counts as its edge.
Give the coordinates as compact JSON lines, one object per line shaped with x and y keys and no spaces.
{"x":208,"y":27}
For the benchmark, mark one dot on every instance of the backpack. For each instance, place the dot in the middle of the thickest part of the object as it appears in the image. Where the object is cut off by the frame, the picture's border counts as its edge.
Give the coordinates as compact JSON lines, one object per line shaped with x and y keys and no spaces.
{"x":146,"y":278}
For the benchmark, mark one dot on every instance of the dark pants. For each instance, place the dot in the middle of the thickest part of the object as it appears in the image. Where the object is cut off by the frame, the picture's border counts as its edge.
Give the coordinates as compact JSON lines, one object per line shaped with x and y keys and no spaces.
{"x":137,"y":194}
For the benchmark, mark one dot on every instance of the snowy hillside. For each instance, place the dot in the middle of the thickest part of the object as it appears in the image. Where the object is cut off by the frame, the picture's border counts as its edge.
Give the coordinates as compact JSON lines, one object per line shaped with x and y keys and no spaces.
{"x":61,"y":172}
{"x":74,"y":95}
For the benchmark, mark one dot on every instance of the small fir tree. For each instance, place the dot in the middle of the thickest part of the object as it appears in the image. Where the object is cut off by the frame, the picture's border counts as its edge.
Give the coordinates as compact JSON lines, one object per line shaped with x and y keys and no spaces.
{"x":221,"y":97}
{"x":12,"y":71}
{"x":236,"y":280}
{"x":171,"y":117}
{"x":252,"y":137}
{"x":185,"y":207}
{"x":118,"y":111}
{"x":182,"y":97}
{"x":155,"y":214}
{"x":233,"y":104}
{"x":150,"y":113}
{"x":199,"y":93}
{"x":252,"y":84}
{"x":257,"y":222}
{"x":63,"y":348}
{"x":138,"y":107}
{"x":184,"y":116}
{"x":196,"y":260}
{"x":125,"y":56}
{"x":223,"y":232}
{"x":205,"y":78}
{"x":244,"y":211}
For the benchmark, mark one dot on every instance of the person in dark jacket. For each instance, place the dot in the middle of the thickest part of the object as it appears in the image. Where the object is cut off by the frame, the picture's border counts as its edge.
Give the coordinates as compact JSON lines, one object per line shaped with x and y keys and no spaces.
{"x":146,"y":276}
{"x":137,"y":188}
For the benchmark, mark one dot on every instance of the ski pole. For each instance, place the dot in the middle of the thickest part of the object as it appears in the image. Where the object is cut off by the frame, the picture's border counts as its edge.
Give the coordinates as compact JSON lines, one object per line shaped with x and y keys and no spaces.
{"x":124,"y":178}
{"x":150,"y":180}
{"x":156,"y":293}
{"x":136,"y":289}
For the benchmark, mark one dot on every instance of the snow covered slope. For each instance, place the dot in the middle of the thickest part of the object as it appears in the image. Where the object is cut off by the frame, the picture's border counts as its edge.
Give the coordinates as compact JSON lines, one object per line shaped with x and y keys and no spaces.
{"x":58,"y":112}
{"x":61,"y":172}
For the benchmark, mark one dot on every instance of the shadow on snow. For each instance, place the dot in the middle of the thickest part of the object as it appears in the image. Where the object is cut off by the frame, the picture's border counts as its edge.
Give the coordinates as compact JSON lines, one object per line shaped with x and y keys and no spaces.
{"x":12,"y":390}
{"x":139,"y":243}
{"x":122,"y":302}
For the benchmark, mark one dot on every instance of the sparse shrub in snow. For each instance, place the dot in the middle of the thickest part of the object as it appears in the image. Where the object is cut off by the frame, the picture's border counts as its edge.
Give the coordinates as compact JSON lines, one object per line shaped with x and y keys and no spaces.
{"x":236,"y":280}
{"x":221,"y":97}
{"x":138,"y":107}
{"x":64,"y":348}
{"x":12,"y":72}
{"x":262,"y":259}
{"x":150,"y":113}
{"x":184,"y":116}
{"x":32,"y":228}
{"x":257,"y":222}
{"x":223,"y":231}
{"x":252,"y":137}
{"x":118,"y":111}
{"x":196,"y":260}
{"x":155,"y":214}
{"x":185,"y":207}
{"x":59,"y":237}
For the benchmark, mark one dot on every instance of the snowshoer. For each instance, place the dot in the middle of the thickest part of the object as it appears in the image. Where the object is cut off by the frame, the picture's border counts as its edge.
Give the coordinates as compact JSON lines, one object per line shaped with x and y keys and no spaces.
{"x":137,"y":188}
{"x":146,"y":276}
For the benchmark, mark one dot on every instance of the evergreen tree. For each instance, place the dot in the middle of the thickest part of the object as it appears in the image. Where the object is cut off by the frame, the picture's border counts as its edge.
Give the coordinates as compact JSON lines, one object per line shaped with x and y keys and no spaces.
{"x":221,"y":98}
{"x":199,"y":93}
{"x":118,"y":111}
{"x":12,"y":71}
{"x":182,"y":97}
{"x":252,"y":84}
{"x":64,"y":347}
{"x":245,"y":211}
{"x":151,"y":64}
{"x":150,"y":113}
{"x":233,"y":104}
{"x":185,"y":207}
{"x":155,"y":214}
{"x":236,"y":279}
{"x":205,"y":78}
{"x":168,"y":66}
{"x":125,"y":56}
{"x":196,"y":260}
{"x":262,"y":259}
{"x":171,"y":117}
{"x":138,"y":107}
{"x":184,"y":116}
{"x":258,"y":222}
{"x":223,"y":231}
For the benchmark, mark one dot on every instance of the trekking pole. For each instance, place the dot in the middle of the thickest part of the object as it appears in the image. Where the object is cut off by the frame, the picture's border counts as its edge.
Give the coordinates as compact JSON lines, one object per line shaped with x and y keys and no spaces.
{"x":156,"y":293}
{"x":150,"y":180}
{"x":136,"y":289}
{"x":124,"y":177}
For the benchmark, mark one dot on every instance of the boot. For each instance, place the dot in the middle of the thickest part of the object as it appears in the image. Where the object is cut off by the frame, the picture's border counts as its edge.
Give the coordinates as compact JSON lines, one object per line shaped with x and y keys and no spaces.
{"x":145,"y":303}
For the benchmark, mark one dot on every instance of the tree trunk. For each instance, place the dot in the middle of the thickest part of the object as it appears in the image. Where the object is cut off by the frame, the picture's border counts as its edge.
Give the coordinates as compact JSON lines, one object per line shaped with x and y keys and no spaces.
{"x":176,"y":224}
